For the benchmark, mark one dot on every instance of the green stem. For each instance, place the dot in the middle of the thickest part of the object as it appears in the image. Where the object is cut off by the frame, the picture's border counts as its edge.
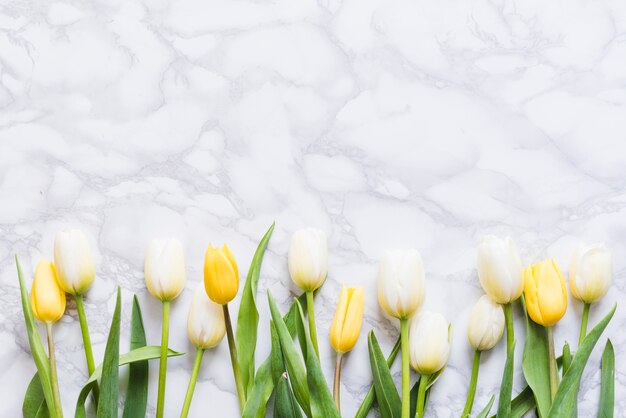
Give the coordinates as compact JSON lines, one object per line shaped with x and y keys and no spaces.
{"x":583,"y":324}
{"x":337,"y":384}
{"x":472,"y":389}
{"x":406,"y":376}
{"x":84,"y":329}
{"x":165,"y":332}
{"x":233,"y":357}
{"x":312,"y":328}
{"x":53,"y":373}
{"x":553,"y":376}
{"x":510,"y":331}
{"x":192,"y":382}
{"x":421,"y":396}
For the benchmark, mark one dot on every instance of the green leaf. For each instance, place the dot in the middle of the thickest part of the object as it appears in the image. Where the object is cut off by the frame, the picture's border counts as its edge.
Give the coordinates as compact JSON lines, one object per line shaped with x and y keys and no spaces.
{"x":322,"y":403}
{"x":285,"y":405}
{"x":276,"y":355}
{"x":109,"y":389}
{"x":137,"y":392}
{"x":248,"y":318}
{"x":485,"y":411}
{"x":413,"y":396}
{"x":140,"y":354}
{"x":607,"y":385}
{"x":368,"y":401}
{"x":34,"y":405}
{"x":34,"y":341}
{"x":389,"y":403}
{"x":504,"y":401}
{"x":535,"y":364}
{"x":523,"y":403}
{"x":567,"y":358}
{"x":564,"y":403}
{"x":295,"y":366}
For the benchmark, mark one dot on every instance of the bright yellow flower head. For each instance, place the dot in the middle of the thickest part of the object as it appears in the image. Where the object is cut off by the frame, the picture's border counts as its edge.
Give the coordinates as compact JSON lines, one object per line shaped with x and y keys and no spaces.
{"x":545,"y":293}
{"x":221,"y":276}
{"x":46,"y":297}
{"x":346,"y":326}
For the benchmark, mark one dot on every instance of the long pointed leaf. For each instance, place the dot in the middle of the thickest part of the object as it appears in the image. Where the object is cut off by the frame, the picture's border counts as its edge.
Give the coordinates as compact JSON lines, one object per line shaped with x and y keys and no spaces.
{"x":535,"y":364}
{"x":137,"y":393}
{"x":607,"y":385}
{"x":109,"y":389}
{"x":504,"y":401}
{"x":285,"y":404}
{"x":34,"y":405}
{"x":485,"y":411}
{"x":389,"y":403}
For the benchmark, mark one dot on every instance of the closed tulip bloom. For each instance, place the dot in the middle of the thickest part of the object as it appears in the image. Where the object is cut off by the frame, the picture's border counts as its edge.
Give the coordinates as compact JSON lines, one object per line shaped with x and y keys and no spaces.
{"x":308,"y":258}
{"x":346,"y":326}
{"x":429,"y":342}
{"x":486,"y":324}
{"x":401,"y":282}
{"x":221,"y":275}
{"x":165,"y":269}
{"x":590,"y":273}
{"x":74,"y":261}
{"x":205,"y":324}
{"x":46,"y":296}
{"x":500,"y":269}
{"x":545,"y":293}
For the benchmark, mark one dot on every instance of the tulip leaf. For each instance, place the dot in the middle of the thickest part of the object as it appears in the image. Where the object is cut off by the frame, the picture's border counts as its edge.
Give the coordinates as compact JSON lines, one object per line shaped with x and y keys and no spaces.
{"x":567,"y":358}
{"x":389,"y":403}
{"x":368,"y":401}
{"x":109,"y":389}
{"x":263,"y":383}
{"x":34,"y":405}
{"x":248,"y":318}
{"x":413,"y":397}
{"x":285,"y":404}
{"x":564,"y":403}
{"x":137,"y":392}
{"x":293,"y":362}
{"x":276,"y":355}
{"x":485,"y":411}
{"x":322,"y":403}
{"x":138,"y":355}
{"x":36,"y":347}
{"x":504,"y":401}
{"x":607,"y":385}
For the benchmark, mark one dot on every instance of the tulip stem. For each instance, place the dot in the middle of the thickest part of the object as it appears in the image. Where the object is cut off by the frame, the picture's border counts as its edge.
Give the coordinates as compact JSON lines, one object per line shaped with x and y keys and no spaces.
{"x":84,"y":329}
{"x":336,"y":387}
{"x":165,"y":332}
{"x":192,"y":382}
{"x":510,"y":331}
{"x":233,"y":357}
{"x":421,"y":396}
{"x":312,"y":329}
{"x":553,"y":376}
{"x":406,"y":376}
{"x":53,"y":373}
{"x":472,"y":388}
{"x":583,"y":325}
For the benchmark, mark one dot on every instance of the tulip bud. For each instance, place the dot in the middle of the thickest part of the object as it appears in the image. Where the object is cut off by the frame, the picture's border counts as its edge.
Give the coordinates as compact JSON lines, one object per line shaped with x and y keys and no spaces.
{"x":401,"y":282}
{"x":590,"y":273}
{"x":545,"y":293}
{"x":346,"y":326}
{"x":165,"y":269}
{"x":308,"y":258}
{"x":500,"y":269}
{"x":205,"y":324}
{"x":73,"y":261}
{"x":486,"y":324}
{"x":46,"y":297}
{"x":429,"y":342}
{"x":221,"y":275}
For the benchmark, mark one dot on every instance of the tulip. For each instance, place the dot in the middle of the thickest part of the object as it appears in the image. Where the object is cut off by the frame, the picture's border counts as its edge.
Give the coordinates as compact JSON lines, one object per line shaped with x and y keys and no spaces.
{"x":590,"y":276}
{"x":345,"y":329}
{"x":400,"y":294}
{"x":486,"y":325}
{"x":430,"y":346}
{"x":48,"y":302}
{"x":164,"y":271}
{"x":205,"y":327}
{"x":546,"y":303}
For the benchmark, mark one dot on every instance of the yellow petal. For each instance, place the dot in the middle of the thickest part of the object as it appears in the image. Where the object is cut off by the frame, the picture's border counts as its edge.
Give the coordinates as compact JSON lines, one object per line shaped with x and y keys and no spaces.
{"x":47,"y":298}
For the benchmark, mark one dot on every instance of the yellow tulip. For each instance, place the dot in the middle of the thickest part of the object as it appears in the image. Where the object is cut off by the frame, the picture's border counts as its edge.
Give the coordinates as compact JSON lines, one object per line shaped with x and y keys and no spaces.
{"x":346,"y":326}
{"x":46,"y":296}
{"x":545,"y":293}
{"x":221,"y":275}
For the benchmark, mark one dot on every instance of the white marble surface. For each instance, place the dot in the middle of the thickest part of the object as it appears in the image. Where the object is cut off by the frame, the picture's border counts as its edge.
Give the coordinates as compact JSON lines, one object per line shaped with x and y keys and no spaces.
{"x":385,"y":123}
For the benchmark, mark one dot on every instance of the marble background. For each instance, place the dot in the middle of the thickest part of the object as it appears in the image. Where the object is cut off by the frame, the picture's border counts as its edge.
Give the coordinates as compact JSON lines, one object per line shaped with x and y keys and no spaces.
{"x":385,"y":123}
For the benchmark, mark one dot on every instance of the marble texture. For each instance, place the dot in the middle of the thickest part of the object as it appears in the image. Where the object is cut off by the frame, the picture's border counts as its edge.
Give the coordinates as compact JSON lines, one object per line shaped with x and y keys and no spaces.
{"x":385,"y":123}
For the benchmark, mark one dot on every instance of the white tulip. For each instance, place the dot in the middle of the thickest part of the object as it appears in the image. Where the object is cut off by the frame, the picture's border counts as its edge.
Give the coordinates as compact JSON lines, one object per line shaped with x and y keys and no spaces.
{"x":308,"y":258}
{"x":73,"y":261}
{"x":401,"y":282}
{"x":205,"y":324}
{"x":429,"y":342}
{"x":486,"y":324}
{"x":500,"y":269}
{"x":590,"y":272}
{"x":165,"y":269}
